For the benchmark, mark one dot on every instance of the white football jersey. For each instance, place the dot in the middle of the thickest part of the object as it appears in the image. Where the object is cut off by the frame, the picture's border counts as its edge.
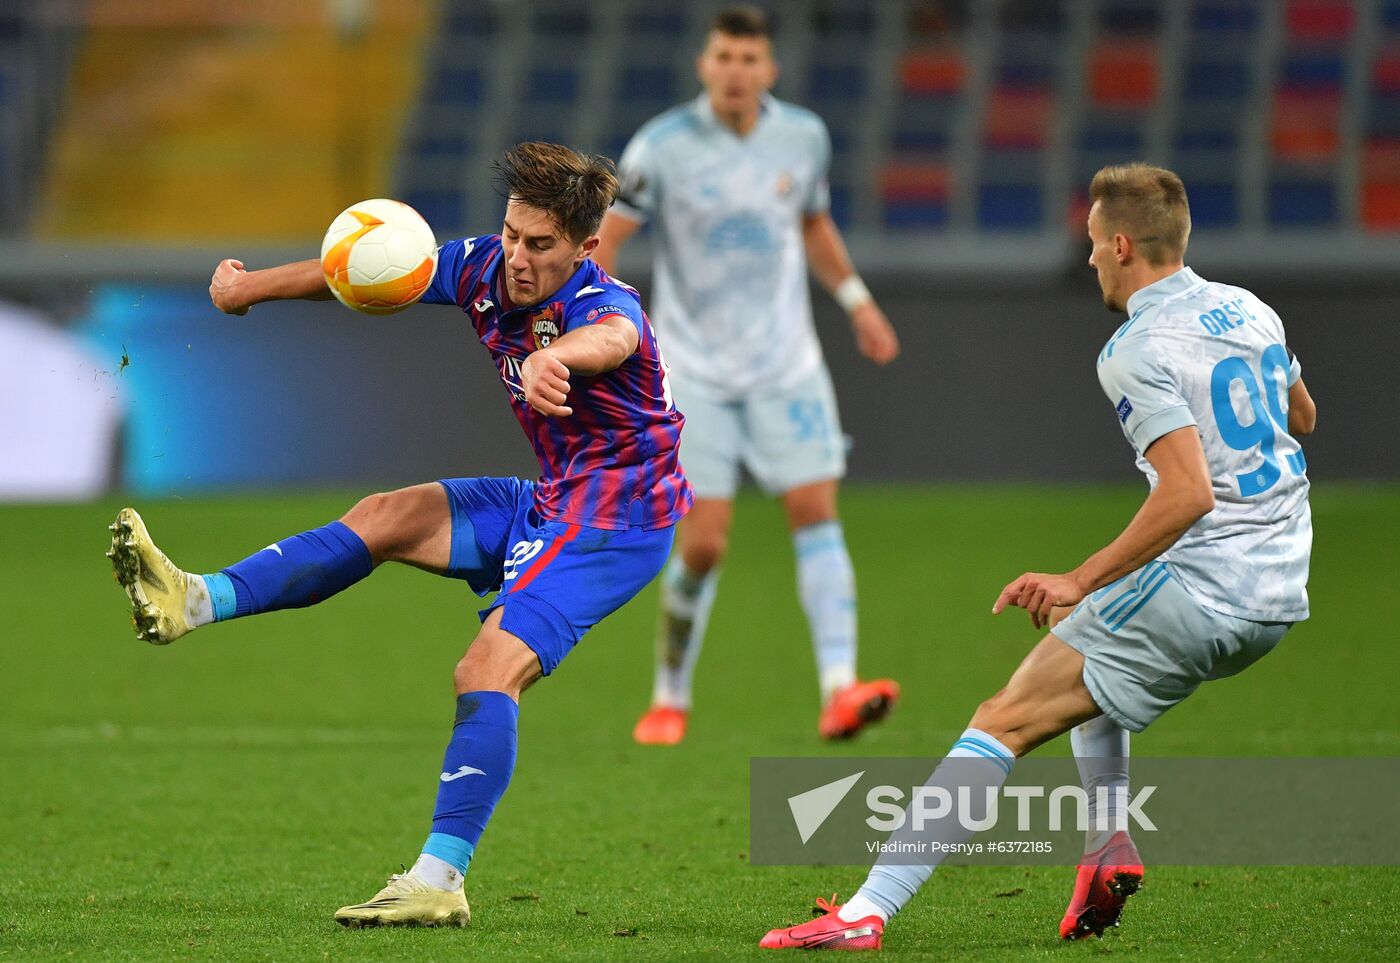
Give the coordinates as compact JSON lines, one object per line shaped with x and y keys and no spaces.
{"x":730,"y":300}
{"x":1194,"y":352}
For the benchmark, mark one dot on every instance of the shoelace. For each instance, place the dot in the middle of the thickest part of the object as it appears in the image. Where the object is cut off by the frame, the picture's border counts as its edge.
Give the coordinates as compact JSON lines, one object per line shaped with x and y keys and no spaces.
{"x":825,"y":906}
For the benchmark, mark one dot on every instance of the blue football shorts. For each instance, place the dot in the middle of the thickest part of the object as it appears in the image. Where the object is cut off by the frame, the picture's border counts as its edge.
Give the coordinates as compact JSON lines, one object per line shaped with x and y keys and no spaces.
{"x":1148,"y":644}
{"x":556,"y":579}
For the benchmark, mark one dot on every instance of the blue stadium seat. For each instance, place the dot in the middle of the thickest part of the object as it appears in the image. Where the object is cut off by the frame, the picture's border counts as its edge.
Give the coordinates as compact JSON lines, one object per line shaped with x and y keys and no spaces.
{"x":552,"y":85}
{"x":459,"y":86}
{"x":1302,"y":203}
{"x":1032,"y":16}
{"x":1207,"y":139}
{"x":563,"y":23}
{"x":1225,"y":16}
{"x":1111,"y":138}
{"x":1003,"y":207}
{"x":916,"y":216}
{"x":1383,"y":117}
{"x":841,"y":205}
{"x":851,"y":21}
{"x":1213,"y":205}
{"x":653,"y":83}
{"x":836,"y":82}
{"x":921,"y":139}
{"x":1390,"y":14}
{"x":1216,"y":80}
{"x":441,"y":145}
{"x":1022,"y":73}
{"x":1314,"y":71}
{"x":1011,"y":165}
{"x":446,"y":211}
{"x":656,"y":19}
{"x":471,"y":20}
{"x":1130,"y":16}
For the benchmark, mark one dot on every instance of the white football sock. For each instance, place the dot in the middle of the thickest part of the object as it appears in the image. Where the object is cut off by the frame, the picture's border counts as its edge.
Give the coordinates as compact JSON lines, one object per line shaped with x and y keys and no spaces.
{"x":826,"y":583}
{"x":686,"y":600}
{"x":858,"y":908}
{"x":978,"y":765}
{"x":1101,"y":753}
{"x":199,"y":607}
{"x":437,"y":873}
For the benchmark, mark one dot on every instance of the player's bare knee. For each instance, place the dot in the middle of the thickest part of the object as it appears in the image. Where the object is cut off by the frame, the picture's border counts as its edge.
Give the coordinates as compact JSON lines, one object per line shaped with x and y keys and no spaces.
{"x":1000,"y":716}
{"x":372,"y":520}
{"x":476,"y":674}
{"x":703,"y":553}
{"x":811,"y":505}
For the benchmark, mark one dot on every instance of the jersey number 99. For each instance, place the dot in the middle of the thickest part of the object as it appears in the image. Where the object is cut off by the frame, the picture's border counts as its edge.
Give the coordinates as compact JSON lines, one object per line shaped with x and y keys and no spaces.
{"x":1268,"y":399}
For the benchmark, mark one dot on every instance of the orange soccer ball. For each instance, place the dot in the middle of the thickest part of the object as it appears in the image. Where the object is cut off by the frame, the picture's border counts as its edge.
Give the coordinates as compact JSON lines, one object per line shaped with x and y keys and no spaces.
{"x":379,"y":256}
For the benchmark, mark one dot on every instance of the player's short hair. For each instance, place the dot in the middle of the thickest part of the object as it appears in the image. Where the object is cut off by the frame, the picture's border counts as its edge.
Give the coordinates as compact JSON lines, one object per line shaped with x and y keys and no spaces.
{"x":574,"y":188}
{"x":743,"y":20}
{"x":1148,"y":204}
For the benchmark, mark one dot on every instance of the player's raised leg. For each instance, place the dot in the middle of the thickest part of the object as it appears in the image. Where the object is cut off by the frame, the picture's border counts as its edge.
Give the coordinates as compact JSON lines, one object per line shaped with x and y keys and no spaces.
{"x":826,"y":584}
{"x":1045,"y":697}
{"x":688,"y":586}
{"x":476,"y":769}
{"x":410,"y":525}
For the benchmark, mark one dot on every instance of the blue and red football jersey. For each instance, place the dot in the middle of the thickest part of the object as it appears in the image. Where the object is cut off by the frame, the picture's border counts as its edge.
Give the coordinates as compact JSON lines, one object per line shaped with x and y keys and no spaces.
{"x":612,"y":463}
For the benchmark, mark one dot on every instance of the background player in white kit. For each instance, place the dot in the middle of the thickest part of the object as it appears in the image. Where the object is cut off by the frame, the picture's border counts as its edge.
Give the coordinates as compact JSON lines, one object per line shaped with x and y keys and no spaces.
{"x":1205,"y":579}
{"x":734,"y":185}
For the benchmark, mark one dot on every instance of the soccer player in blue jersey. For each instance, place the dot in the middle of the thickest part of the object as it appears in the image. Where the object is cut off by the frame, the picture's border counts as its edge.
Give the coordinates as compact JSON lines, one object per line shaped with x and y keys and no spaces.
{"x":1205,"y":579}
{"x":583,"y":376}
{"x":734,"y":187}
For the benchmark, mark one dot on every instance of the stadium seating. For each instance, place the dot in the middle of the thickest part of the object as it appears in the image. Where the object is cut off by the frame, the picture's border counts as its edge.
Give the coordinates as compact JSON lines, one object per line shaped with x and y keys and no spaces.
{"x":945,"y":115}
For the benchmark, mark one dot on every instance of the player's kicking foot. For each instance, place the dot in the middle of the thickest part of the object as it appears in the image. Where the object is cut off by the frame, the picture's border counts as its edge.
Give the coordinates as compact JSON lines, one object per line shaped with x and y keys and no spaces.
{"x":408,"y":901}
{"x":661,"y":726}
{"x":1107,"y":877}
{"x":855,"y":706}
{"x":159,"y":591}
{"x":827,"y":932}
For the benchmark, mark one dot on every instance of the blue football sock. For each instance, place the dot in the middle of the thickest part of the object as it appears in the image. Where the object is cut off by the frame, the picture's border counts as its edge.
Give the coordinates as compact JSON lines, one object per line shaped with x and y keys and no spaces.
{"x":293,"y":573}
{"x":475,"y":772}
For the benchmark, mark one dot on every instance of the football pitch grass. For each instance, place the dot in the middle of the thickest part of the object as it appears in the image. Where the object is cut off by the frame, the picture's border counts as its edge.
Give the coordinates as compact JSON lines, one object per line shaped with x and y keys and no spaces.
{"x":220,"y":798}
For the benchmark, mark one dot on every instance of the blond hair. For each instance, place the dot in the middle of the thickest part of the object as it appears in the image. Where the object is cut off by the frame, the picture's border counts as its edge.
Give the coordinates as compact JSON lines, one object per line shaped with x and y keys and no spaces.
{"x":1148,"y":204}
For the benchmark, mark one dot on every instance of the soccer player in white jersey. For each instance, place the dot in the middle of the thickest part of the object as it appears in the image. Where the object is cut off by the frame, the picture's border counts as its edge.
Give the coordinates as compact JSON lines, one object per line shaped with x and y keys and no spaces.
{"x":1205,"y":579}
{"x":734,"y":187}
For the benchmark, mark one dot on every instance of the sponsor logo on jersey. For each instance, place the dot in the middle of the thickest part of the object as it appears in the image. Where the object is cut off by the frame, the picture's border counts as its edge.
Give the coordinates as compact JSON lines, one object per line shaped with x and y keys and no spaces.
{"x":544,"y":324}
{"x":1124,"y":409}
{"x":510,"y":374}
{"x":785,"y":184}
{"x":603,"y":312}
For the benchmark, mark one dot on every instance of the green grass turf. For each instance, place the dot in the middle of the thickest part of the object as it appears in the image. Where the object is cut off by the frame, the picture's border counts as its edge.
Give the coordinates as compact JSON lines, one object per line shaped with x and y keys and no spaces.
{"x":218,"y":799}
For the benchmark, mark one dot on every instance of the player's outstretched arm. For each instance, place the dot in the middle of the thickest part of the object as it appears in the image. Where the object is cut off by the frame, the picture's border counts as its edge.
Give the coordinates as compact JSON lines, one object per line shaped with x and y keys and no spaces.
{"x":587,"y":351}
{"x":826,"y":253}
{"x":612,"y":234}
{"x":1302,"y":410}
{"x":1183,"y":496}
{"x":234,"y":290}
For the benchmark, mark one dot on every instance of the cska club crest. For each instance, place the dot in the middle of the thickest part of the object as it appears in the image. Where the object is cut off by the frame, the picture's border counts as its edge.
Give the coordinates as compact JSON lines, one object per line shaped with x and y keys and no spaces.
{"x":544,"y":324}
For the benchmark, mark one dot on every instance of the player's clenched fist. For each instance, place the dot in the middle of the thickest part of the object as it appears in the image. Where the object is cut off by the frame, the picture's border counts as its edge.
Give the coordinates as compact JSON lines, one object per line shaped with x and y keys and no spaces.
{"x":546,"y":382}
{"x":223,"y":289}
{"x":875,"y":335}
{"x":1038,"y":593}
